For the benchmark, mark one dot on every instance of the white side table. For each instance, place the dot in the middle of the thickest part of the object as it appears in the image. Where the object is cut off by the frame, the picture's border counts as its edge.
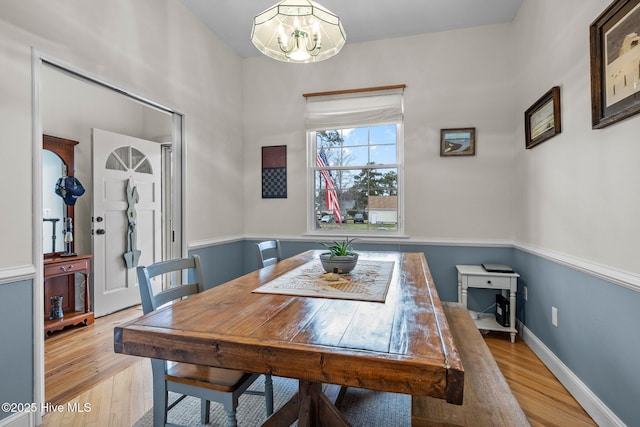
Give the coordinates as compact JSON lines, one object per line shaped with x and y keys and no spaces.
{"x":475,"y":276}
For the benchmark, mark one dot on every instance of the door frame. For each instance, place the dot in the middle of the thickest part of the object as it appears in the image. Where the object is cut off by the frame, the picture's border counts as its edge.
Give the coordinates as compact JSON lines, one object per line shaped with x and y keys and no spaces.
{"x":178,"y":201}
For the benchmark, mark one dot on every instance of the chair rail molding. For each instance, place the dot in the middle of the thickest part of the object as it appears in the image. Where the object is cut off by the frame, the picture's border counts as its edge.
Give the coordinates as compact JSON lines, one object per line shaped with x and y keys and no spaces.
{"x":17,"y":274}
{"x":621,"y":278}
{"x":214,"y":241}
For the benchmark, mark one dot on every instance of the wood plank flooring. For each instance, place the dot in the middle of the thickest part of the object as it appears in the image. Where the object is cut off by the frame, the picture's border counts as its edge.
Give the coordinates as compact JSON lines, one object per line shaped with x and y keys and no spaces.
{"x":541,"y":396}
{"x":80,"y":357}
{"x":82,"y":368}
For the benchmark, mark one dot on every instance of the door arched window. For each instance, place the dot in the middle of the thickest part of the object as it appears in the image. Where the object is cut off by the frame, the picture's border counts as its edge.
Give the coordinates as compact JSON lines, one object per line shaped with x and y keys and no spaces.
{"x":129,"y":158}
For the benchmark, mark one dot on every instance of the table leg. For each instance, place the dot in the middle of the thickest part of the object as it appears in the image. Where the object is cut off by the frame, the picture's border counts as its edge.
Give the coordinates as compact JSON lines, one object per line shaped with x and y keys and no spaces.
{"x":512,"y":313}
{"x":311,"y":407}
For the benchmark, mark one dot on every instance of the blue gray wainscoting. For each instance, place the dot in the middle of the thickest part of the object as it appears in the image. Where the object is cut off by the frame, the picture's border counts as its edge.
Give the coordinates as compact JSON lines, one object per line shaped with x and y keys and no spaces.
{"x":16,"y":350}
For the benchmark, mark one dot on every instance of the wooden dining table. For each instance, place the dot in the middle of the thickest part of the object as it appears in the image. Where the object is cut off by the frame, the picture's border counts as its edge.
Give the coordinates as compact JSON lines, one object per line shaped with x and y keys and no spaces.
{"x":401,"y":345}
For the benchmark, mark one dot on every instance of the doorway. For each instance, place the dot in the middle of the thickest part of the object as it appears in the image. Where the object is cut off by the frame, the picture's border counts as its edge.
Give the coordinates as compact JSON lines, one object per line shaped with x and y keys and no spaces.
{"x":144,"y":117}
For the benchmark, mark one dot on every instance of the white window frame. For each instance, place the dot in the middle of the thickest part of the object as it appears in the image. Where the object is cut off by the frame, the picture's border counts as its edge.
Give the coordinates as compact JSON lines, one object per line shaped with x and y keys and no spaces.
{"x":312,"y":168}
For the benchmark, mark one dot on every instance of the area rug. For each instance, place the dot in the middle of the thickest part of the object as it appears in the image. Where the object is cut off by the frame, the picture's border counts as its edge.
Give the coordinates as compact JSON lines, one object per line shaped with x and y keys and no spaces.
{"x":363,"y":408}
{"x":369,"y":281}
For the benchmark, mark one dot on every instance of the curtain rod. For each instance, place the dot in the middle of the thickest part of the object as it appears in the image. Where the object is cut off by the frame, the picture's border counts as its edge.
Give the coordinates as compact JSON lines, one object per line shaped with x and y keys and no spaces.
{"x":347,"y":91}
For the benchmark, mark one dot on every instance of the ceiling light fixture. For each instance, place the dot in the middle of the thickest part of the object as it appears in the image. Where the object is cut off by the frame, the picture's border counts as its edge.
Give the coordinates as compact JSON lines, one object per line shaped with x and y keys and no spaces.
{"x":298,"y":31}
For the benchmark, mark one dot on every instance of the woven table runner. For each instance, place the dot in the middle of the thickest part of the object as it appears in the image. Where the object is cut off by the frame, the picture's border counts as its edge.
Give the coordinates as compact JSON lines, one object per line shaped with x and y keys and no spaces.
{"x":369,"y":281}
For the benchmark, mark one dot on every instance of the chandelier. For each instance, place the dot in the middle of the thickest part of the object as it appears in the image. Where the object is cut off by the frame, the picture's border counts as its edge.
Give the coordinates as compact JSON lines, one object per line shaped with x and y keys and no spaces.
{"x":298,"y":31}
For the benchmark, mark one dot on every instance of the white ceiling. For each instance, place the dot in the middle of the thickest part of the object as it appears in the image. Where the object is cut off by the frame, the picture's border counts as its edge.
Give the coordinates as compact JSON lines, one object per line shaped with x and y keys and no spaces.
{"x":363,"y":20}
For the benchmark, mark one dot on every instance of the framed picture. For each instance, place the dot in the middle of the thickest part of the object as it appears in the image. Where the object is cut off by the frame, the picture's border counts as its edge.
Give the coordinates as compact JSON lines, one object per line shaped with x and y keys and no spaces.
{"x":542,"y":119}
{"x":458,"y":142}
{"x":274,"y":172}
{"x":615,"y":63}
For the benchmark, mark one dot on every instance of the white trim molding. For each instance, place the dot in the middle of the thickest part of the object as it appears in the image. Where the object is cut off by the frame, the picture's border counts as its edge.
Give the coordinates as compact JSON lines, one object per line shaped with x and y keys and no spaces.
{"x":17,"y":274}
{"x":215,"y":241}
{"x":19,"y":419}
{"x":612,"y":275}
{"x":618,"y":277}
{"x":596,"y":409}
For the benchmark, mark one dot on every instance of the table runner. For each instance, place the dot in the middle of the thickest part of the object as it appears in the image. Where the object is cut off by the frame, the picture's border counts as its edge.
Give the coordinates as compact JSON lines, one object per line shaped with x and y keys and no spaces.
{"x":369,"y":281}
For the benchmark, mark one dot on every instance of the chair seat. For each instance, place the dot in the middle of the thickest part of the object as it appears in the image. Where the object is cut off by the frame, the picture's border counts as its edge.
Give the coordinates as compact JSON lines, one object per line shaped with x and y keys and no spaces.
{"x":225,"y":380}
{"x":202,"y":382}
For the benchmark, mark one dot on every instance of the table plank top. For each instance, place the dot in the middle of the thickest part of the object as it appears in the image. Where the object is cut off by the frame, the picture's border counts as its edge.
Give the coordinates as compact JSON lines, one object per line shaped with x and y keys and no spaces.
{"x":403,"y":345}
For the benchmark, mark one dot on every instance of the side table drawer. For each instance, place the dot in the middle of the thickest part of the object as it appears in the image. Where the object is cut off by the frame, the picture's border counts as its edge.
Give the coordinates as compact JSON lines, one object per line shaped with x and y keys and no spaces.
{"x":489,"y":282}
{"x":65,"y":268}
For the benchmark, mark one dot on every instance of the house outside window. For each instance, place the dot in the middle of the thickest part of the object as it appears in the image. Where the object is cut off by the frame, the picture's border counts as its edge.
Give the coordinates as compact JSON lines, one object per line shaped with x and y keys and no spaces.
{"x":355,"y":169}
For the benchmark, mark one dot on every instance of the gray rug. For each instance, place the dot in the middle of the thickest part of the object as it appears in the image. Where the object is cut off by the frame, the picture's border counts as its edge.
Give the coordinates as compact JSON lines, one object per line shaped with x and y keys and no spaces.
{"x":363,"y":408}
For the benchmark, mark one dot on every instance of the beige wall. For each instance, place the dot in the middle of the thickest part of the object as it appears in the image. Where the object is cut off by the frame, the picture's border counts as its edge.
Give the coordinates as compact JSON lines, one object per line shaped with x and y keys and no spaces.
{"x":577,"y":193}
{"x":454,"y":79}
{"x":70,"y":109}
{"x":153,"y":48}
{"x":573,"y":197}
{"x":573,"y":194}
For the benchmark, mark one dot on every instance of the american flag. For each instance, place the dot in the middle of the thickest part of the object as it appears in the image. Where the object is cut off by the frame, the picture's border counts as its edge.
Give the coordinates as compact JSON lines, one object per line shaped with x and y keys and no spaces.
{"x":332,"y":197}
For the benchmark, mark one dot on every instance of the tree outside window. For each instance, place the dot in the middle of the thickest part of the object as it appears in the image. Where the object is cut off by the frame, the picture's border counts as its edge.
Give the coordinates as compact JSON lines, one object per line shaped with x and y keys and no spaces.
{"x":356,"y":179}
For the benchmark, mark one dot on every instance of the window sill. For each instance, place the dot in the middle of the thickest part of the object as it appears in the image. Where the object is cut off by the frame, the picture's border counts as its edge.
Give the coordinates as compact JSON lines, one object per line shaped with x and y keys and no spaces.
{"x":358,"y":236}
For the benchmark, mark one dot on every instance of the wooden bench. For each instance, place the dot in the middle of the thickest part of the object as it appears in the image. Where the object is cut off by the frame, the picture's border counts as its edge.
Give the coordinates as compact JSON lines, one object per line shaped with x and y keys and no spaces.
{"x":487,"y":398}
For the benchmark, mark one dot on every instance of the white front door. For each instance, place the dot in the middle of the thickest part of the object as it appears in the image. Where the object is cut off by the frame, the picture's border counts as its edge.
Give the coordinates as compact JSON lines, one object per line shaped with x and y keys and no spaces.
{"x":120,"y":161}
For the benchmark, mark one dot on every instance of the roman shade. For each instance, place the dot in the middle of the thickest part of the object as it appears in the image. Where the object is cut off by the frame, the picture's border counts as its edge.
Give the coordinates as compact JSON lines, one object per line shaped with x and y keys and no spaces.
{"x":354,"y":109}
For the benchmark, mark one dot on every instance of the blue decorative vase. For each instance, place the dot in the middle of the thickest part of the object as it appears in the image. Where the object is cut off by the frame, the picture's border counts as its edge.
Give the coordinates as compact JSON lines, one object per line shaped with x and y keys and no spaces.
{"x":56,"y":307}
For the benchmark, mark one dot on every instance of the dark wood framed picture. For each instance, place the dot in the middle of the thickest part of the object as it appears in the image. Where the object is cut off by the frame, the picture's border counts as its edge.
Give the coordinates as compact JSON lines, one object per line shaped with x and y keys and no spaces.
{"x":542,"y":119}
{"x":615,"y":63}
{"x":274,"y":172}
{"x":458,"y":142}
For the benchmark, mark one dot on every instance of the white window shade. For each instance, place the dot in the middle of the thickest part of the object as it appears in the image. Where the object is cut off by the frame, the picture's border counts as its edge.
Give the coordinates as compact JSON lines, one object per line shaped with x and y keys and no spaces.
{"x":355,"y":110}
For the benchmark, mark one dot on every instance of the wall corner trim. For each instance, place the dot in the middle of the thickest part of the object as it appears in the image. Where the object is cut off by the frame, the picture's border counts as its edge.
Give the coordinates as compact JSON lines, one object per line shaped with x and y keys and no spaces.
{"x":596,"y":409}
{"x":622,"y":278}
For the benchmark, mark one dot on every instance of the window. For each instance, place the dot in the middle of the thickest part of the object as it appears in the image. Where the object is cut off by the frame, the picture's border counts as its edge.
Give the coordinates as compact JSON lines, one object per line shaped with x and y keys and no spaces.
{"x":355,"y":169}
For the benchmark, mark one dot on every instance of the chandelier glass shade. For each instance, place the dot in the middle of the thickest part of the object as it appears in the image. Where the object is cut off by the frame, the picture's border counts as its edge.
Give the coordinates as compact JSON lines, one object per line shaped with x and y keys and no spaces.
{"x":298,"y":31}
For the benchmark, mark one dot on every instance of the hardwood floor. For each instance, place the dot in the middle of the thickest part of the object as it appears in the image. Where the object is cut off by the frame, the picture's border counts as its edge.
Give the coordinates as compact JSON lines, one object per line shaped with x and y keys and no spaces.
{"x":544,"y":400}
{"x":82,"y":368}
{"x":80,"y":357}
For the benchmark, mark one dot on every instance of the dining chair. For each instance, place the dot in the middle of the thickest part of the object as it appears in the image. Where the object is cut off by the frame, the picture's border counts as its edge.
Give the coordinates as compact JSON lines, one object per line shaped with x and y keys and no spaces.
{"x":268,"y":252}
{"x":204,"y":382}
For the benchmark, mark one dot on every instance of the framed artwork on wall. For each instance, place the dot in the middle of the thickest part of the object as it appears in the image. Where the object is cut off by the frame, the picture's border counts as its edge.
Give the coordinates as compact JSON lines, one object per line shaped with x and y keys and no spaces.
{"x":274,"y":172}
{"x":615,"y":63}
{"x":542,"y":119}
{"x":458,"y":142}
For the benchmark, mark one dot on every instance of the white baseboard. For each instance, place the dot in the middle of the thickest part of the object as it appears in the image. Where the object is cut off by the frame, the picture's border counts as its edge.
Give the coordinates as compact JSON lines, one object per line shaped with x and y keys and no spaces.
{"x":19,"y":419}
{"x":596,"y":409}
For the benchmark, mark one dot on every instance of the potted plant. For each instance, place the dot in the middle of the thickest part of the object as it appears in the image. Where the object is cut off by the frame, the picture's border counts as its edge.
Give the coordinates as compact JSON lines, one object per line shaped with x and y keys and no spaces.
{"x":340,"y":259}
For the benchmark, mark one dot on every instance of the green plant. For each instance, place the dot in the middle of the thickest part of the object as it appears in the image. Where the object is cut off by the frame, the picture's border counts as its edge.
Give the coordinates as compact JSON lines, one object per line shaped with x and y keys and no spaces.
{"x":342,"y":248}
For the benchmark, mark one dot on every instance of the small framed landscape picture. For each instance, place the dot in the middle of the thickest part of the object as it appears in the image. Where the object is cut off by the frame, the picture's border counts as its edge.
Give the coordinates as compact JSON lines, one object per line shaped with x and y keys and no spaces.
{"x":458,"y":142}
{"x":542,"y":119}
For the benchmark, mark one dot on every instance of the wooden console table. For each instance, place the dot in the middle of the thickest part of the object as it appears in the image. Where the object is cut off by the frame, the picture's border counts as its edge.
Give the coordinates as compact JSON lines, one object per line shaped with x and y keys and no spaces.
{"x":59,"y":279}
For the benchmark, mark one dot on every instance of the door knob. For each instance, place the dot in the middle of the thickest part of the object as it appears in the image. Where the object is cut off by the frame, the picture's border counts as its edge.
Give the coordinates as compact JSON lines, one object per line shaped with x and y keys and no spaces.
{"x":100,"y":231}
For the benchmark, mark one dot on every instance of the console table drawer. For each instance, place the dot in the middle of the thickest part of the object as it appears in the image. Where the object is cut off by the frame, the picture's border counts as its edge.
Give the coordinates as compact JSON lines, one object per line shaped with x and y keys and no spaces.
{"x":64,"y":268}
{"x":494,"y":282}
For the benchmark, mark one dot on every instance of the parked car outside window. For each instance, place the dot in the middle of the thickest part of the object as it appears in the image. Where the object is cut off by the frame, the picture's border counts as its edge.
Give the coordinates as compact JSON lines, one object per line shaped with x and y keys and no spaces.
{"x":328,"y":218}
{"x":358,"y":218}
